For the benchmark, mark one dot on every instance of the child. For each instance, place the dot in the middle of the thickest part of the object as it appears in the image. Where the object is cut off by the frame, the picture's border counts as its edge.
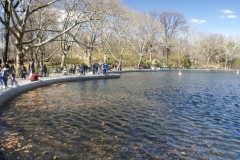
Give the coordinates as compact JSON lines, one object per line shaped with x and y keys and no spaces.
{"x":13,"y":80}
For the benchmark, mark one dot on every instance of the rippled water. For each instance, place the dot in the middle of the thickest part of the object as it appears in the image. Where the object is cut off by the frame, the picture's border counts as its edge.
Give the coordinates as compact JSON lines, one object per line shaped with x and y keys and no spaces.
{"x":145,"y":115}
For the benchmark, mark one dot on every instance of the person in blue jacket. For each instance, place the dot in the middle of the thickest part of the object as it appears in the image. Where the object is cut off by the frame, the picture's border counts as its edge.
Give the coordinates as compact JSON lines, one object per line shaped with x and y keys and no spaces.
{"x":105,"y":67}
{"x":82,"y":69}
{"x":5,"y":76}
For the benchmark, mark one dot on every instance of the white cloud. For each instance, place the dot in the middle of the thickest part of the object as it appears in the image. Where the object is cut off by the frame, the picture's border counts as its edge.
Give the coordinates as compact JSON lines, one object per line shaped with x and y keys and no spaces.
{"x":228,"y":14}
{"x":232,"y":16}
{"x":227,"y":11}
{"x":198,"y":21}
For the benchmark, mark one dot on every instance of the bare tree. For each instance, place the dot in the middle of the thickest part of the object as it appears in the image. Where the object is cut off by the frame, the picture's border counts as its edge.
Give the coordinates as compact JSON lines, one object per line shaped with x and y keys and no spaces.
{"x":19,"y":27}
{"x":106,"y":43}
{"x":89,"y":39}
{"x":173,"y":24}
{"x":154,"y":30}
{"x":70,"y":13}
{"x":119,"y":42}
{"x":90,"y":36}
{"x":193,"y":38}
{"x":5,"y":5}
{"x":181,"y":50}
{"x":231,"y":47}
{"x":142,"y":31}
{"x":113,"y":30}
{"x":210,"y":46}
{"x":46,"y":21}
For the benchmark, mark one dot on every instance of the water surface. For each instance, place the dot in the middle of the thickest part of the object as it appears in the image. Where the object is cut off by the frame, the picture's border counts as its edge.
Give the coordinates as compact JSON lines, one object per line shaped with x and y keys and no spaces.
{"x":143,"y":115}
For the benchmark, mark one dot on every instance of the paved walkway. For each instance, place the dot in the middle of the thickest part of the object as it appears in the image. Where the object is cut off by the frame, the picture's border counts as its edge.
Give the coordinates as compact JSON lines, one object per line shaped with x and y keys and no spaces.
{"x":51,"y":76}
{"x":26,"y":85}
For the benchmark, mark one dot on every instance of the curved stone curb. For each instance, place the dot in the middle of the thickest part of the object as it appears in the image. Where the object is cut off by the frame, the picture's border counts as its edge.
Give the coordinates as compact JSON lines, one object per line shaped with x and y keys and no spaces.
{"x":129,"y":71}
{"x":10,"y":93}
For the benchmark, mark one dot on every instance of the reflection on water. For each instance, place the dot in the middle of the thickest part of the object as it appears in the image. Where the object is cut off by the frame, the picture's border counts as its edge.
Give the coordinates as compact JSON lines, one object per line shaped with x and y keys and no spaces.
{"x":156,"y":115}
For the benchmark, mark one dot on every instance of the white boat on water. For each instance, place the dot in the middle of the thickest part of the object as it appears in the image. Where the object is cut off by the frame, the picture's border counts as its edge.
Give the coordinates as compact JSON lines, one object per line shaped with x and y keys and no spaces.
{"x":179,"y":73}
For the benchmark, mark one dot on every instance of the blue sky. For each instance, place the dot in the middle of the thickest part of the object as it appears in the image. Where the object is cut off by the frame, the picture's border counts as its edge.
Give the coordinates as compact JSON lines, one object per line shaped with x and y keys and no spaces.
{"x":212,"y":16}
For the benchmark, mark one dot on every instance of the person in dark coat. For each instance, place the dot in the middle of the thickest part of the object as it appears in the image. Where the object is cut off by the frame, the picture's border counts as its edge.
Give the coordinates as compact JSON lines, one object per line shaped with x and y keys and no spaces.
{"x":82,"y":69}
{"x":23,"y":70}
{"x":44,"y":70}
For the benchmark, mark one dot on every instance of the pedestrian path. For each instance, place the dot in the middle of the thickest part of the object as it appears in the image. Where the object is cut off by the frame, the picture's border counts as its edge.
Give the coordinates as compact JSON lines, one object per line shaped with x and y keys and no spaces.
{"x":24,"y":85}
{"x":51,"y":76}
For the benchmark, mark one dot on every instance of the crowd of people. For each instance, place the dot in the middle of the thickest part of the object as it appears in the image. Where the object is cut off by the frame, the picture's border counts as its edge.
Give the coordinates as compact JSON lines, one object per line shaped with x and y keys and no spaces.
{"x":7,"y":71}
{"x":83,"y":68}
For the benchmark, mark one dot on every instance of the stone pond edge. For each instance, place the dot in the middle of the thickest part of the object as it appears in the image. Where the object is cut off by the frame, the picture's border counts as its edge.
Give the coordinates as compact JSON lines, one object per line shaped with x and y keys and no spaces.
{"x":7,"y":95}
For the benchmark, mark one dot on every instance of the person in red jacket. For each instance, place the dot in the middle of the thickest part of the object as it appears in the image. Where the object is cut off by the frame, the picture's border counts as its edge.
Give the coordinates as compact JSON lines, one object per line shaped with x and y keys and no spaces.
{"x":34,"y":76}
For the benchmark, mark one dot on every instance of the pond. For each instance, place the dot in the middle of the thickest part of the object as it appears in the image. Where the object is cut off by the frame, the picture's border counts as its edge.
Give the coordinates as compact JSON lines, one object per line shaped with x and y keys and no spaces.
{"x":142,"y":115}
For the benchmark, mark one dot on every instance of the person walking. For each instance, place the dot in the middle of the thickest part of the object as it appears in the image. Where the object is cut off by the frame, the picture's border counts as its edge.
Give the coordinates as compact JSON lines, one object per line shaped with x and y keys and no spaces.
{"x":99,"y":68}
{"x":44,"y":70}
{"x":64,"y":70}
{"x":5,"y":76}
{"x":7,"y":65}
{"x":32,"y":66}
{"x":11,"y":68}
{"x":82,"y":69}
{"x":77,"y":68}
{"x":105,"y":67}
{"x":23,"y":70}
{"x":94,"y":68}
{"x":13,"y":78}
{"x":73,"y":69}
{"x":70,"y":69}
{"x":86,"y":69}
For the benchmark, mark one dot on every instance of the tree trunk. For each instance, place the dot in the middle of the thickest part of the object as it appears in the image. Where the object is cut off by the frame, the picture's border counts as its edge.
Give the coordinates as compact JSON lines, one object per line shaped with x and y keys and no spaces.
{"x":208,"y":62}
{"x":231,"y":60}
{"x":5,"y":45}
{"x":226,"y":60}
{"x":19,"y":61}
{"x":63,"y":60}
{"x":38,"y":67}
{"x":119,"y":67}
{"x":17,"y":64}
{"x":140,"y":60}
{"x":105,"y":58}
{"x":150,"y":57}
{"x":89,"y":58}
{"x":168,"y":53}
{"x":6,"y":32}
